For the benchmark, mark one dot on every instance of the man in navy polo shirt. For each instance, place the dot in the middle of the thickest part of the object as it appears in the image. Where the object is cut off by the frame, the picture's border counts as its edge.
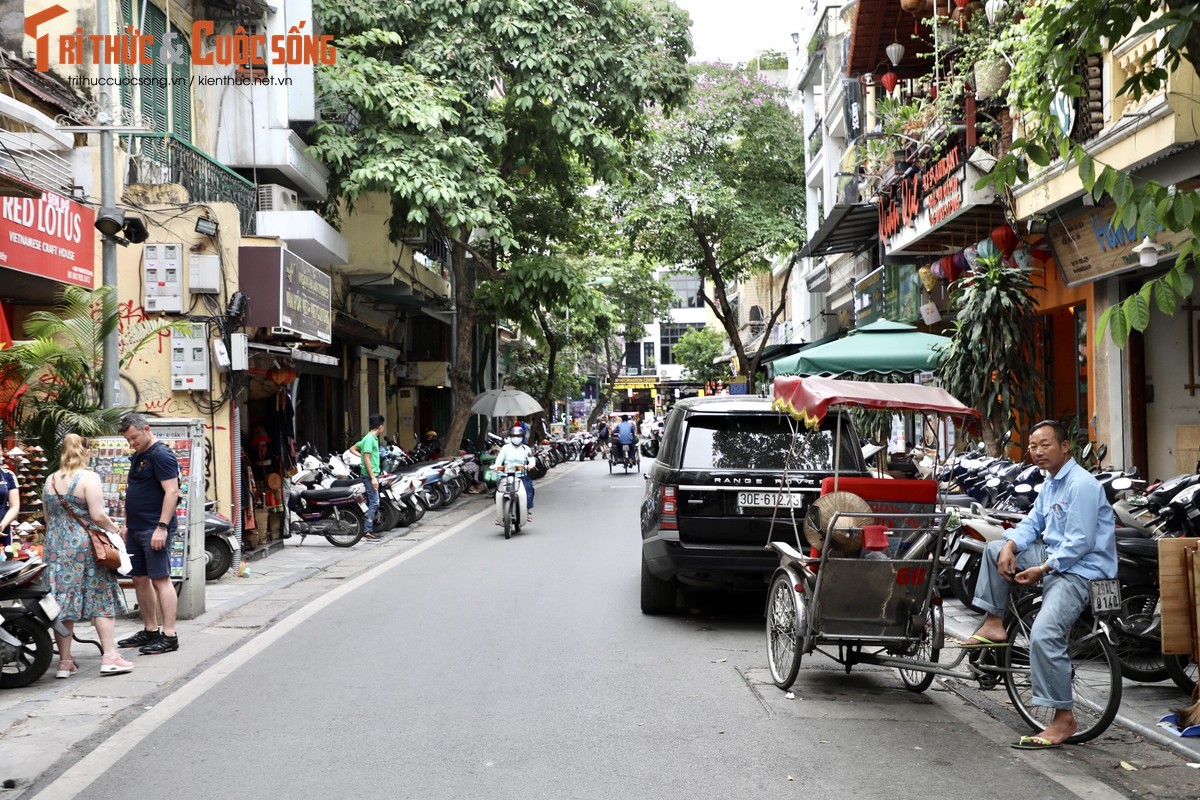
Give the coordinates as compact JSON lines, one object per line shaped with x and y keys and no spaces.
{"x":150,"y":500}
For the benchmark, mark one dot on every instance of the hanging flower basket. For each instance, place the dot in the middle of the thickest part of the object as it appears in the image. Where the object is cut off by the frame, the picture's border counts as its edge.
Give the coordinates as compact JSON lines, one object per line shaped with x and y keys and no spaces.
{"x":990,"y":76}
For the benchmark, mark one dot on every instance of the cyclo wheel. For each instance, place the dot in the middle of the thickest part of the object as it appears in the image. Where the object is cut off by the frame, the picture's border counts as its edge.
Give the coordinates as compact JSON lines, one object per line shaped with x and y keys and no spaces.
{"x":506,"y":513}
{"x":918,"y":680}
{"x":1182,"y":670}
{"x":786,"y":622}
{"x":1095,"y":678}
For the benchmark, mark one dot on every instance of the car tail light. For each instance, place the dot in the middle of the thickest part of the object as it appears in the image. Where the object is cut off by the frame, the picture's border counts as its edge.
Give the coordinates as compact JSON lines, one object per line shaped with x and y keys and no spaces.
{"x":669,"y":509}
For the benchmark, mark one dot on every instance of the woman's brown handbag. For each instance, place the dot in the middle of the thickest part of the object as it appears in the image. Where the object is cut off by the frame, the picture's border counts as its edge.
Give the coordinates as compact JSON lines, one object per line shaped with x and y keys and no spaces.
{"x":103,"y":550}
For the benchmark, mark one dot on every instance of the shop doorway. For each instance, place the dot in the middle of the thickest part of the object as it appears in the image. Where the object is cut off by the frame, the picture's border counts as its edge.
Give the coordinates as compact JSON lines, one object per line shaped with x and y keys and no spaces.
{"x":1061,"y":349}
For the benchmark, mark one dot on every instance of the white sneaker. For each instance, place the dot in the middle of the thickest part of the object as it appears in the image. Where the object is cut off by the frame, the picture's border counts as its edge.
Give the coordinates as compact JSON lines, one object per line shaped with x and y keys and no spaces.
{"x":115,"y":665}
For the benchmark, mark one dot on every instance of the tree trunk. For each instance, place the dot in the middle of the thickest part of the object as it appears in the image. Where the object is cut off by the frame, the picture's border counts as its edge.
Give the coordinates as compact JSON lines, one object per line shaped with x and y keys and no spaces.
{"x":604,"y":391}
{"x":461,"y":370}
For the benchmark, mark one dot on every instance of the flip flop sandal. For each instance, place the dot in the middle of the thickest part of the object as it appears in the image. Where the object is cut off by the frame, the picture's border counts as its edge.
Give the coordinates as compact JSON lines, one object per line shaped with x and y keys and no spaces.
{"x":1034,"y":743}
{"x":977,"y":642}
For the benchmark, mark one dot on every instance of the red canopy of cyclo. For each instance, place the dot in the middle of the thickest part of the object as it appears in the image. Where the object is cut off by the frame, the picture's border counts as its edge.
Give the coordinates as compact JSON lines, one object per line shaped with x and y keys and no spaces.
{"x":809,"y":399}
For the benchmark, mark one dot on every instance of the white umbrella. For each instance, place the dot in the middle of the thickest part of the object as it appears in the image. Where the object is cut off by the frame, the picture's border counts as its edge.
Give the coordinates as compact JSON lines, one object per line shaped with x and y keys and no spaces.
{"x":504,"y":403}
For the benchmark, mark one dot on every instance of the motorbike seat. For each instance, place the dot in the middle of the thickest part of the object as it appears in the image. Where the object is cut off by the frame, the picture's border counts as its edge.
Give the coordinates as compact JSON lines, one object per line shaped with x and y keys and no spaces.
{"x":347,"y":481}
{"x":1128,"y":533}
{"x":1138,"y":548}
{"x":9,"y":567}
{"x":336,"y":493}
{"x":959,"y":500}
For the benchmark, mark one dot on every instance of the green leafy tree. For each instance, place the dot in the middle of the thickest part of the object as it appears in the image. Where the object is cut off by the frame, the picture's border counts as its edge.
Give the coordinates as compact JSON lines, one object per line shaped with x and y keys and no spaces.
{"x":636,"y":298}
{"x":695,"y":352}
{"x":720,"y":190}
{"x":1045,"y":46}
{"x":550,"y":297}
{"x":988,"y":363}
{"x":53,"y":382}
{"x":451,"y":108}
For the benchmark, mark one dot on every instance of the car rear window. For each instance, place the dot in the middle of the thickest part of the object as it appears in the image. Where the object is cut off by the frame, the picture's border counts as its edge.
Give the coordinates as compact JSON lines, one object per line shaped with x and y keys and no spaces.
{"x":762,"y":441}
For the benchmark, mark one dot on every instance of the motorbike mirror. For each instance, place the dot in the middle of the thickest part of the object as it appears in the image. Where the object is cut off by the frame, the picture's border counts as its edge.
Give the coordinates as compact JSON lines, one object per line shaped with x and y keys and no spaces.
{"x":1132,"y":472}
{"x":1086,"y":455}
{"x":1101,"y":452}
{"x":1022,"y":488}
{"x":981,"y":447}
{"x":1122,"y":483}
{"x":649,"y":448}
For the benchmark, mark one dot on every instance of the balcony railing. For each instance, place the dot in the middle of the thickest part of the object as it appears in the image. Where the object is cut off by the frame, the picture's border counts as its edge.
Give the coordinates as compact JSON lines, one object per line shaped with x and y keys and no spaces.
{"x":166,"y":158}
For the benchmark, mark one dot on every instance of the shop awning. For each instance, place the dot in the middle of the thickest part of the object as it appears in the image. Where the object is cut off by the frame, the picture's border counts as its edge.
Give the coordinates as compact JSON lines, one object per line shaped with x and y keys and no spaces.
{"x":849,"y":228}
{"x":809,"y":399}
{"x":878,"y":23}
{"x":774,"y":351}
{"x":883,"y":348}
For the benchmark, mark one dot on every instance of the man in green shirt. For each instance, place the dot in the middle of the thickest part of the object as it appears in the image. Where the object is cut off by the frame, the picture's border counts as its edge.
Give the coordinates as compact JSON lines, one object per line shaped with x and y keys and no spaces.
{"x":368,"y":448}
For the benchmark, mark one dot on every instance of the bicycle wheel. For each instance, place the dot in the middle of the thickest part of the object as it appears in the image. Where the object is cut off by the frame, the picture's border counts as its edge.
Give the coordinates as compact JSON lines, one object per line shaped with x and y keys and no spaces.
{"x":1183,"y":671}
{"x":1095,"y":679}
{"x":506,"y":514}
{"x":786,"y":623}
{"x":918,"y":680}
{"x":1141,"y":658}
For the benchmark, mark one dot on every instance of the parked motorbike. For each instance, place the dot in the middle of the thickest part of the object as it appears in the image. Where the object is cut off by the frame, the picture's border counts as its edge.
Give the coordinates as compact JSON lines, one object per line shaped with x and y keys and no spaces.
{"x":220,"y":543}
{"x":333,"y":512}
{"x":28,"y":615}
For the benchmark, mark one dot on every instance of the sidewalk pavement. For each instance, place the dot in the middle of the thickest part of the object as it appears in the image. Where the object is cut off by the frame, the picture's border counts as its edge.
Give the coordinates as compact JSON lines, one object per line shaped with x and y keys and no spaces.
{"x":1142,"y":704}
{"x":46,"y":726}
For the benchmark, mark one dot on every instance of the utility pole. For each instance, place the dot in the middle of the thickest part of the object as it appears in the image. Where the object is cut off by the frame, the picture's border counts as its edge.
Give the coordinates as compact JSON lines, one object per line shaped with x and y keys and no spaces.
{"x":111,"y":369}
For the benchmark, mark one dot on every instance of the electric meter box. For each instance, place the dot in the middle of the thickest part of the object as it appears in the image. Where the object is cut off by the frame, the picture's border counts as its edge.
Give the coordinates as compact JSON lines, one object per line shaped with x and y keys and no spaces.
{"x":204,"y":274}
{"x":162,"y":276}
{"x":189,"y":358}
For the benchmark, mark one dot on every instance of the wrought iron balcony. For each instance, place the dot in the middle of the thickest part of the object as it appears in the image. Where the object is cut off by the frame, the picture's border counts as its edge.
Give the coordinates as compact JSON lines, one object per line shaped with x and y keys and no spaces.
{"x":166,"y":158}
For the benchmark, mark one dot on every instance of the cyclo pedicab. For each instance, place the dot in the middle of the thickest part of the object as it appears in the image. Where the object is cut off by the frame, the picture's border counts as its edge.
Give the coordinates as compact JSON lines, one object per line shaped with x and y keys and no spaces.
{"x":632,"y":457}
{"x":883,"y":609}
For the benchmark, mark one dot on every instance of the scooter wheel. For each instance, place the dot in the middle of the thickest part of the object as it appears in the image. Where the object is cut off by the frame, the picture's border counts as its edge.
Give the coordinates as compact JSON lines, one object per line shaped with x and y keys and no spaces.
{"x":23,"y":665}
{"x":218,"y":558}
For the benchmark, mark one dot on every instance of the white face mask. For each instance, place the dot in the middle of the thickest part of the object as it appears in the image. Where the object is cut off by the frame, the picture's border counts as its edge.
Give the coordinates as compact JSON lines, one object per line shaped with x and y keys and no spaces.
{"x":515,"y":439}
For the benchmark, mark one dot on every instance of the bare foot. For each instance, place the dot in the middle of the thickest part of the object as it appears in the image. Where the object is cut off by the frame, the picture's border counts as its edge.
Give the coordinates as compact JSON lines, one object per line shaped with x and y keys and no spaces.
{"x":1061,"y":728}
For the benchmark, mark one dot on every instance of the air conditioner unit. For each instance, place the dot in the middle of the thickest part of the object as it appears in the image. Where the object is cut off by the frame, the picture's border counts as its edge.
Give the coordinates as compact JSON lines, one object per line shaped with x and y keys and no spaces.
{"x":273,"y":197}
{"x":414,"y":234}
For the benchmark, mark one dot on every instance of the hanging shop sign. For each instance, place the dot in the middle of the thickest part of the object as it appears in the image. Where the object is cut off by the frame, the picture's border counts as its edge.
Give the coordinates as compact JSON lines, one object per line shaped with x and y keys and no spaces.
{"x":287,"y":294}
{"x":1088,"y":248}
{"x":929,"y":199}
{"x":623,"y":384}
{"x":868,"y":298}
{"x":49,"y":236}
{"x":901,"y":293}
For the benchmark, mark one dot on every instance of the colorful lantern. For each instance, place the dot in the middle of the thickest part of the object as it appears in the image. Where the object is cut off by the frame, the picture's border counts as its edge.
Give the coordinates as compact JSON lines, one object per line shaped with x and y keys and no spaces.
{"x":1006,"y":239}
{"x":888,"y":81}
{"x":961,"y":3}
{"x":959,"y":260}
{"x":895,"y":52}
{"x":995,"y":10}
{"x":971,"y":256}
{"x":281,"y":376}
{"x":986,"y":248}
{"x":928,"y":279}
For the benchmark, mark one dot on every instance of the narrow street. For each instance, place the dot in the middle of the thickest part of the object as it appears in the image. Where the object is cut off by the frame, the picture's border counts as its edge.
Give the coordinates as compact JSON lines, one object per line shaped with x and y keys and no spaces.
{"x":474,"y":667}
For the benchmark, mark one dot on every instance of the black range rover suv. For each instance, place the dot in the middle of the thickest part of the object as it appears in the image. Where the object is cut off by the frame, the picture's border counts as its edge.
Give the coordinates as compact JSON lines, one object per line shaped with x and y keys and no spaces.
{"x":720,"y":469}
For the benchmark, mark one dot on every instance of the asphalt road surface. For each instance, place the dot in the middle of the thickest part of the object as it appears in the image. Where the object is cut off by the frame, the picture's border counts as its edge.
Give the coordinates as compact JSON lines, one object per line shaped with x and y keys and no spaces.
{"x":477,"y":667}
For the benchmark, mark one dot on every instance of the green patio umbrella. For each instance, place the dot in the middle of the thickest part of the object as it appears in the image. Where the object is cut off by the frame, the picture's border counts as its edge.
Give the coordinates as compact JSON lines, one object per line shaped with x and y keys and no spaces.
{"x":883,"y":348}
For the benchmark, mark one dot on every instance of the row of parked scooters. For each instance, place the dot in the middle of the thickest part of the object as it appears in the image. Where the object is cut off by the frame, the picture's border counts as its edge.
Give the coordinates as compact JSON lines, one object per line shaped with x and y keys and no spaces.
{"x":991,"y":494}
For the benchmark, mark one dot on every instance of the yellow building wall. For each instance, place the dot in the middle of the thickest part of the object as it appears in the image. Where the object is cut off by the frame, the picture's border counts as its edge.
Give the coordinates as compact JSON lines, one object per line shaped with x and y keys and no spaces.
{"x":366,"y":229}
{"x":146,"y":380}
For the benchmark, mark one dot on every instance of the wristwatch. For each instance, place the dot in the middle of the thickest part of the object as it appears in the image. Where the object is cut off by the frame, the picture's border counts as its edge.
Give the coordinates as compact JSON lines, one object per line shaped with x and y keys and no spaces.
{"x":163,"y":525}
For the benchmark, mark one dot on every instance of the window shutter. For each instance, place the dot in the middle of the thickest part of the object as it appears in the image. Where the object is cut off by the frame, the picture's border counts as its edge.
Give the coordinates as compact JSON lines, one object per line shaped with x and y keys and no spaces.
{"x":181,"y":90}
{"x":126,"y":71}
{"x":154,"y":78}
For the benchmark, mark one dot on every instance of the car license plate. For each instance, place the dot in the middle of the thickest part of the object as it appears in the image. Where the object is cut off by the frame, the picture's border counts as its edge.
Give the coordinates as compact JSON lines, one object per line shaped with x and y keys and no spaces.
{"x":1106,"y":596}
{"x":50,"y":606}
{"x":769,"y":500}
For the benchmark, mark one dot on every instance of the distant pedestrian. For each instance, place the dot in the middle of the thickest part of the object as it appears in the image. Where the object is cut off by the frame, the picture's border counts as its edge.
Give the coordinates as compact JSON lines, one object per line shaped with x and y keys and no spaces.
{"x":367,"y":448}
{"x":150,"y":500}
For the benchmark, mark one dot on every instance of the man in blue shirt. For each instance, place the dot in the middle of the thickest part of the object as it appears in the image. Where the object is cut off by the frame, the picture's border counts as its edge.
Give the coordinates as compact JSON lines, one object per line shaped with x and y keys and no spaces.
{"x":626,"y":434}
{"x":1074,"y":523}
{"x":150,"y":500}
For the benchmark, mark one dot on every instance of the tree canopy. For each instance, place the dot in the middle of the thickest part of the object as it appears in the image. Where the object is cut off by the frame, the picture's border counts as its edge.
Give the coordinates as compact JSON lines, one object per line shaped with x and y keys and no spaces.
{"x":696,"y":351}
{"x":452,"y":108}
{"x":720,"y":189}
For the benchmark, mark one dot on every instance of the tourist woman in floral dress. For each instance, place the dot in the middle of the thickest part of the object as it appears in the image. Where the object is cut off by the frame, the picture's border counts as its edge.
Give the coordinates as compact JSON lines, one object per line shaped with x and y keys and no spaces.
{"x":83,"y":589}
